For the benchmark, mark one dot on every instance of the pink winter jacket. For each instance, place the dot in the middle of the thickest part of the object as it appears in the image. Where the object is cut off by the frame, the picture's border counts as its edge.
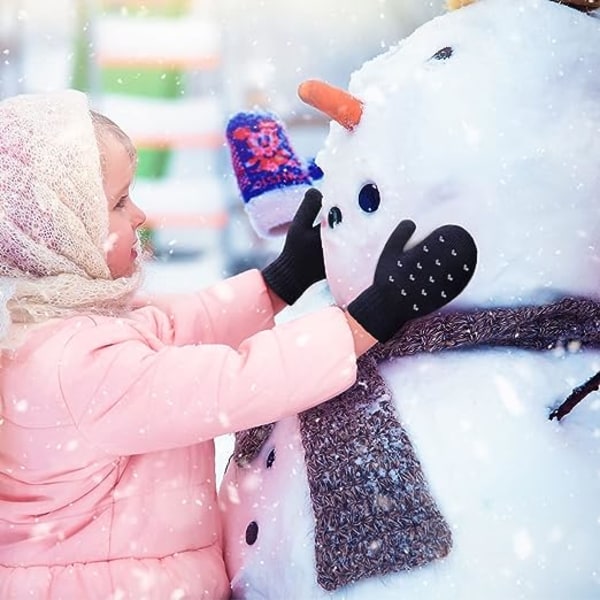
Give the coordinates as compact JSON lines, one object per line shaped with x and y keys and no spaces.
{"x":107,"y":474}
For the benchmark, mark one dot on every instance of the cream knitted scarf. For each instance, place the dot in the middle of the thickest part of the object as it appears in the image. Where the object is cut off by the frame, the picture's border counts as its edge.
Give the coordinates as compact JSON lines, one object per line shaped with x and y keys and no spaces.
{"x":53,"y":213}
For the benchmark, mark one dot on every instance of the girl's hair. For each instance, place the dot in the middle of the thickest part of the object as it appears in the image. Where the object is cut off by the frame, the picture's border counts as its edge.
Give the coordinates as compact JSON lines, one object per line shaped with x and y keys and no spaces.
{"x":103,"y":126}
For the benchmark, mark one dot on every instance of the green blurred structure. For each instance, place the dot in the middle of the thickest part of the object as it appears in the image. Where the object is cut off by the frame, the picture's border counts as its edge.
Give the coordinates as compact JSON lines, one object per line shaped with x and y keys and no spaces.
{"x":134,"y":80}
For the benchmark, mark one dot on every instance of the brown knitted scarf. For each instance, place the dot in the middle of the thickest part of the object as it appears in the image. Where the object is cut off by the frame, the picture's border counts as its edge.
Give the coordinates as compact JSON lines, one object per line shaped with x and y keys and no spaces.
{"x":373,"y":510}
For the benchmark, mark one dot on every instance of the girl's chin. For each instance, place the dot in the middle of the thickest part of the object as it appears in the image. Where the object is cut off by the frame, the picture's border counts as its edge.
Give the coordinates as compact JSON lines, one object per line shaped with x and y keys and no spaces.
{"x":131,"y":270}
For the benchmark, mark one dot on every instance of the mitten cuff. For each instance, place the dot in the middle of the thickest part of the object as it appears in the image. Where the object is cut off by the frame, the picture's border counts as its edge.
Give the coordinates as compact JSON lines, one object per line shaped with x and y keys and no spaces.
{"x":272,"y":211}
{"x":373,"y":313}
{"x":281,"y":277}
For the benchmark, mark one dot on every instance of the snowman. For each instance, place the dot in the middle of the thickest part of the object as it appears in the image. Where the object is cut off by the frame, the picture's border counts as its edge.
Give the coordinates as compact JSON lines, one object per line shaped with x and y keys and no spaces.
{"x":465,"y":461}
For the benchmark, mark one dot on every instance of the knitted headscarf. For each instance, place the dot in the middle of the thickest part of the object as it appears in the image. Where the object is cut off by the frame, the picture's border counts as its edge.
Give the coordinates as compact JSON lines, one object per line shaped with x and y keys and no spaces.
{"x":53,"y":213}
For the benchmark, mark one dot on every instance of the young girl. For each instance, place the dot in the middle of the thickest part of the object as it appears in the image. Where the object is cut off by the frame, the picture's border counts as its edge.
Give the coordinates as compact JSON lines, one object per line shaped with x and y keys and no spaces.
{"x":109,"y":403}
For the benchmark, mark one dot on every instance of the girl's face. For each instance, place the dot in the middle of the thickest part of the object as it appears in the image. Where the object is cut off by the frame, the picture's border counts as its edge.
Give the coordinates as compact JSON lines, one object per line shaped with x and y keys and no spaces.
{"x":122,"y":246}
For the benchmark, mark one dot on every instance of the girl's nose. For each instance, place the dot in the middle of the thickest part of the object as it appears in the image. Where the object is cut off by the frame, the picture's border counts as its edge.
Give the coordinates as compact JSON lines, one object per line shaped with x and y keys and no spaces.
{"x":139,"y":216}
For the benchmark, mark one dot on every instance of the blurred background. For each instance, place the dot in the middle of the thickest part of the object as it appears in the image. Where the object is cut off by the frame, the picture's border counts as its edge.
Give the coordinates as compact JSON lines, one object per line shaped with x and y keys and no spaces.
{"x":172,"y":72}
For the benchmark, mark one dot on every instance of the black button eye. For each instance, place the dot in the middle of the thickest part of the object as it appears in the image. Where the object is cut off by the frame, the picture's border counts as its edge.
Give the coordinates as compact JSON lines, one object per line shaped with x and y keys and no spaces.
{"x":369,"y":198}
{"x":271,"y":458}
{"x":334,"y":217}
{"x":251,"y":533}
{"x":443,"y":54}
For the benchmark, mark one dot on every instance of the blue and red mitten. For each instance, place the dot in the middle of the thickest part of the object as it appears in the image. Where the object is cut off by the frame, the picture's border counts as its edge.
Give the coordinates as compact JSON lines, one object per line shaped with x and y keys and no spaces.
{"x":271,"y":177}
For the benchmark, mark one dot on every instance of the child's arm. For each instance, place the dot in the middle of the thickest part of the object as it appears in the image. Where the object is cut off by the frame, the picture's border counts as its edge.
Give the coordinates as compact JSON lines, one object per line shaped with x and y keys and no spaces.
{"x":227,"y":312}
{"x":128,"y":393}
{"x":276,"y":302}
{"x":238,"y":307}
{"x":363,"y":340}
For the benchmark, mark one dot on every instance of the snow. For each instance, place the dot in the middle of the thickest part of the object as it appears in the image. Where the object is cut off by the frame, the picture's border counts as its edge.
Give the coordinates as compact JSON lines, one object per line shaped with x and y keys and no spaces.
{"x":500,"y":136}
{"x":504,"y":78}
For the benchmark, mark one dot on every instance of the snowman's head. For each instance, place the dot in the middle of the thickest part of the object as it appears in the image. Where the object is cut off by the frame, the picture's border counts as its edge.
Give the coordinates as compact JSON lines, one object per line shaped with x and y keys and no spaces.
{"x":487,"y":117}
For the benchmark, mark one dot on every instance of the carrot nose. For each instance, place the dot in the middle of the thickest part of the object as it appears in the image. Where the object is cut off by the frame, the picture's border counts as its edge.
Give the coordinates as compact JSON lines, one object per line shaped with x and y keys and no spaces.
{"x":336,"y":103}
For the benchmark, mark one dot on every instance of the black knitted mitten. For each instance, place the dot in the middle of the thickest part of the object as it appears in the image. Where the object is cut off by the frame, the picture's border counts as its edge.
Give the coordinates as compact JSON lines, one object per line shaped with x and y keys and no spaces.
{"x":412,"y":283}
{"x":300,"y":263}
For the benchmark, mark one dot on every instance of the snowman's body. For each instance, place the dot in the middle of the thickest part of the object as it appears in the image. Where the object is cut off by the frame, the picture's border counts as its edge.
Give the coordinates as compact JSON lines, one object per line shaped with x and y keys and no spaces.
{"x":521,"y":493}
{"x":488,"y":117}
